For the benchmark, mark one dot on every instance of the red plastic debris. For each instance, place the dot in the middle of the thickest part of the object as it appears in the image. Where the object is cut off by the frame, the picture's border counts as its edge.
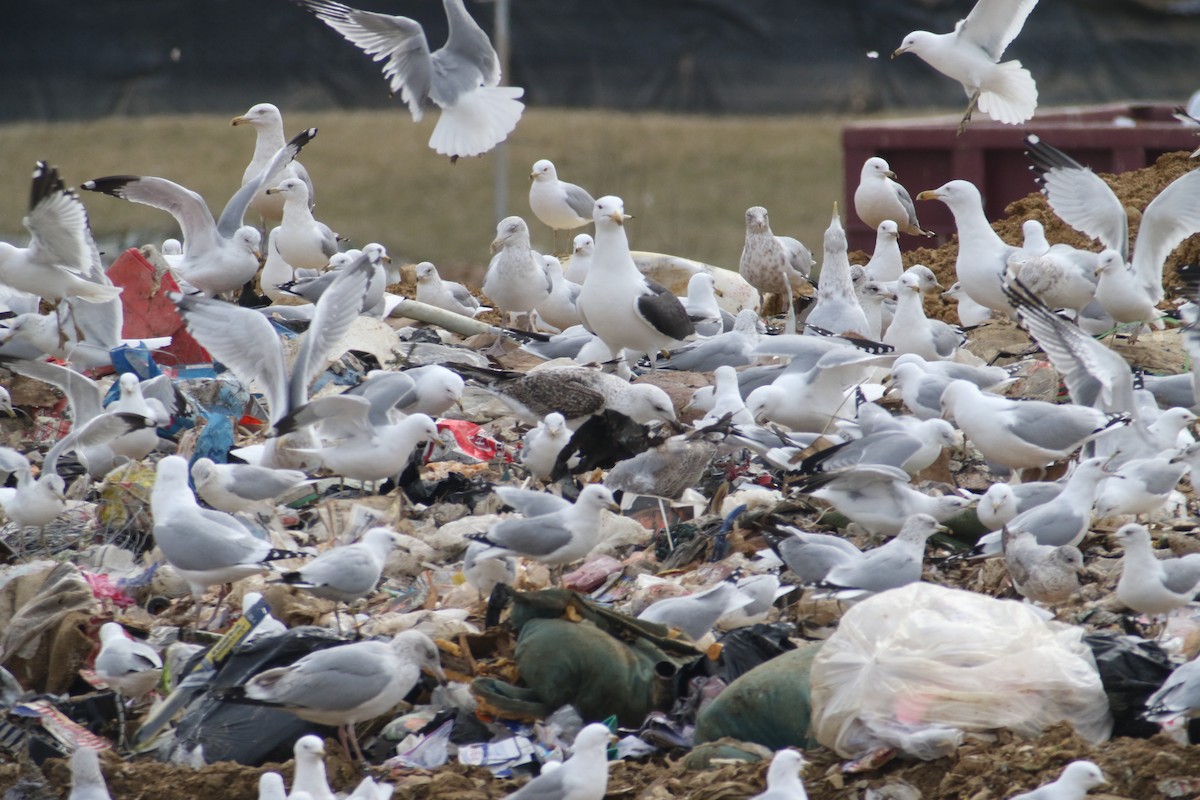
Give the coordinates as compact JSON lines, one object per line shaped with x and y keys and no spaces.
{"x":150,"y":313}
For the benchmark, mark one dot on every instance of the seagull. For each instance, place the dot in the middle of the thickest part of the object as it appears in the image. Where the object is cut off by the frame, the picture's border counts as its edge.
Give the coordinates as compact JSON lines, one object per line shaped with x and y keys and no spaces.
{"x":982,"y":254}
{"x":772,"y":264}
{"x":811,"y":555}
{"x":349,"y":573}
{"x":205,"y":547}
{"x":702,"y":307}
{"x":462,"y":78}
{"x":912,"y":332}
{"x":1040,"y":572}
{"x":1063,"y":521}
{"x":783,"y":777}
{"x":87,"y":781}
{"x":553,"y":531}
{"x":130,"y":668}
{"x":1179,"y":696}
{"x":1152,"y":585}
{"x":886,"y":264}
{"x":895,"y":563}
{"x":485,"y":573}
{"x":560,"y":205}
{"x":911,"y":448}
{"x":1022,"y":434}
{"x":1002,"y":501}
{"x":218,"y":256}
{"x":276,"y":272}
{"x":878,"y":498}
{"x":812,"y":400}
{"x":309,"y":754}
{"x":696,"y":613}
{"x":355,"y":447}
{"x":837,"y":308}
{"x":559,"y":310}
{"x":970,"y":54}
{"x":349,"y":683}
{"x":575,"y":392}
{"x":581,"y":258}
{"x":99,"y":453}
{"x":53,"y":265}
{"x":447,"y":295}
{"x":1076,"y":780}
{"x":268,"y":138}
{"x":620,"y":305}
{"x":1085,"y":202}
{"x":879,"y":199}
{"x":516,"y":279}
{"x":1140,"y":486}
{"x":970,"y":313}
{"x":32,"y":503}
{"x":242,"y":487}
{"x":303,"y":242}
{"x":541,"y":445}
{"x":1123,"y":295}
{"x":431,"y":389}
{"x":583,"y":776}
{"x":734,"y":348}
{"x":247,"y":344}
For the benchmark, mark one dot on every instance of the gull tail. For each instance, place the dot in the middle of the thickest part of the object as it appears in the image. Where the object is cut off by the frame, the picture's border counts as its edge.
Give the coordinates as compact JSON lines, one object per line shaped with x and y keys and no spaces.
{"x":1010,"y":94}
{"x":479,"y":121}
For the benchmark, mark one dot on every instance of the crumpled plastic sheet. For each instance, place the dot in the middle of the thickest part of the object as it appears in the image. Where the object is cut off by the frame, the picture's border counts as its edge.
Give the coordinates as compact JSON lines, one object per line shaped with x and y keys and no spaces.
{"x":916,"y":667}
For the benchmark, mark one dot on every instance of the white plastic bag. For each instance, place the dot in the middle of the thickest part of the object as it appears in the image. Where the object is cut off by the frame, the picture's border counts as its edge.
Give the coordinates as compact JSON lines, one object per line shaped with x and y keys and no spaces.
{"x":915,"y":667}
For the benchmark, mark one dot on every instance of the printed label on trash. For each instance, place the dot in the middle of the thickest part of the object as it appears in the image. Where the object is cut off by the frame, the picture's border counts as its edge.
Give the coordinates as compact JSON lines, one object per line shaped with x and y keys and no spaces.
{"x":459,"y":440}
{"x":497,"y":755}
{"x":70,"y":733}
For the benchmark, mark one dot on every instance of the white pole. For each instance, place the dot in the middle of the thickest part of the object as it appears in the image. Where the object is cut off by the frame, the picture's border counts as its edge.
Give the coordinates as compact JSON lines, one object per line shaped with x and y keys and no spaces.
{"x":502,"y":44}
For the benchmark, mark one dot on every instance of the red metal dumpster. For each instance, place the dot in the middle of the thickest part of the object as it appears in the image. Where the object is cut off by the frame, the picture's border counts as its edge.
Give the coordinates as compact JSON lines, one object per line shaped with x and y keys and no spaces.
{"x":925,"y":153}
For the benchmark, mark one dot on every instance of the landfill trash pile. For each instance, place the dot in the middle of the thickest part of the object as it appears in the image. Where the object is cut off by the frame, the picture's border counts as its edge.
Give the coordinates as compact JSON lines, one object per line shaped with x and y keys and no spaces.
{"x":310,"y":522}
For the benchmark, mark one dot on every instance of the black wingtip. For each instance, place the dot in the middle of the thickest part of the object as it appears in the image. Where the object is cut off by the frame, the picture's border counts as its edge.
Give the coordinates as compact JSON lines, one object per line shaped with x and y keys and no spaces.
{"x":46,"y":181}
{"x":303,"y":137}
{"x":280,"y":555}
{"x":110,"y":184}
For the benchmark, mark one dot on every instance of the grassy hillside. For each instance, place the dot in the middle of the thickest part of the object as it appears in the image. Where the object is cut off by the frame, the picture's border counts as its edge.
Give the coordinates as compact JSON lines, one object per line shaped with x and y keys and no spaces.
{"x":688,"y":180}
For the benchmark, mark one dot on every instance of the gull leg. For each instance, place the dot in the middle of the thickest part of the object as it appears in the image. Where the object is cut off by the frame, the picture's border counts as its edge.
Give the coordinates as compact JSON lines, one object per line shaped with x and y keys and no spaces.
{"x":971,"y":106}
{"x":358,"y":753}
{"x":790,"y":324}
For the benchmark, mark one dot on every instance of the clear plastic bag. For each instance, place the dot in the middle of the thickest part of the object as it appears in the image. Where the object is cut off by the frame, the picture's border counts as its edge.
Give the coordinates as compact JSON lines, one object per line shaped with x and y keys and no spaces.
{"x":916,"y":667}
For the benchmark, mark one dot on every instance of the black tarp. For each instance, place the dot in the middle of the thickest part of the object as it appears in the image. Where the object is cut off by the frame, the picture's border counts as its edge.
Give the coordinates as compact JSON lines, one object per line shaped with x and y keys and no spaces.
{"x":70,"y":59}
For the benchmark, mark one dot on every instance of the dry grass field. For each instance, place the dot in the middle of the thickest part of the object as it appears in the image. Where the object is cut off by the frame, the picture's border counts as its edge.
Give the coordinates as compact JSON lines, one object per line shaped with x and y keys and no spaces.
{"x":688,"y":180}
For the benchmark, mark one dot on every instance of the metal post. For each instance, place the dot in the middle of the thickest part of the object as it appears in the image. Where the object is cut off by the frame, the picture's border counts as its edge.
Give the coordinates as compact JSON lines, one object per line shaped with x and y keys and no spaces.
{"x":502,"y":44}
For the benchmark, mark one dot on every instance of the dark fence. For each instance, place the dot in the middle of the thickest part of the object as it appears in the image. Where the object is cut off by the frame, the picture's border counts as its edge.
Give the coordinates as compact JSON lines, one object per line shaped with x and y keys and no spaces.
{"x":70,"y":59}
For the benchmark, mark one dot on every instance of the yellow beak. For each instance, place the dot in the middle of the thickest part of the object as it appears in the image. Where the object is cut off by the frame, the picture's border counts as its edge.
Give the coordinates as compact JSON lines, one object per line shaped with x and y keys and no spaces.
{"x":238,"y":121}
{"x":928,"y":194}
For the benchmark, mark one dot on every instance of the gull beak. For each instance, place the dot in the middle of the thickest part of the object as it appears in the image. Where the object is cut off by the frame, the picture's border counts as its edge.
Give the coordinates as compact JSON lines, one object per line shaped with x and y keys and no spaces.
{"x":277,"y":190}
{"x":619,"y":217}
{"x":533,"y":176}
{"x":929,"y":194}
{"x":891,"y":174}
{"x":497,"y":244}
{"x":459,"y":405}
{"x":239,"y":120}
{"x":436,"y":671}
{"x":613,"y":507}
{"x":898,"y":51}
{"x":387,"y":259}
